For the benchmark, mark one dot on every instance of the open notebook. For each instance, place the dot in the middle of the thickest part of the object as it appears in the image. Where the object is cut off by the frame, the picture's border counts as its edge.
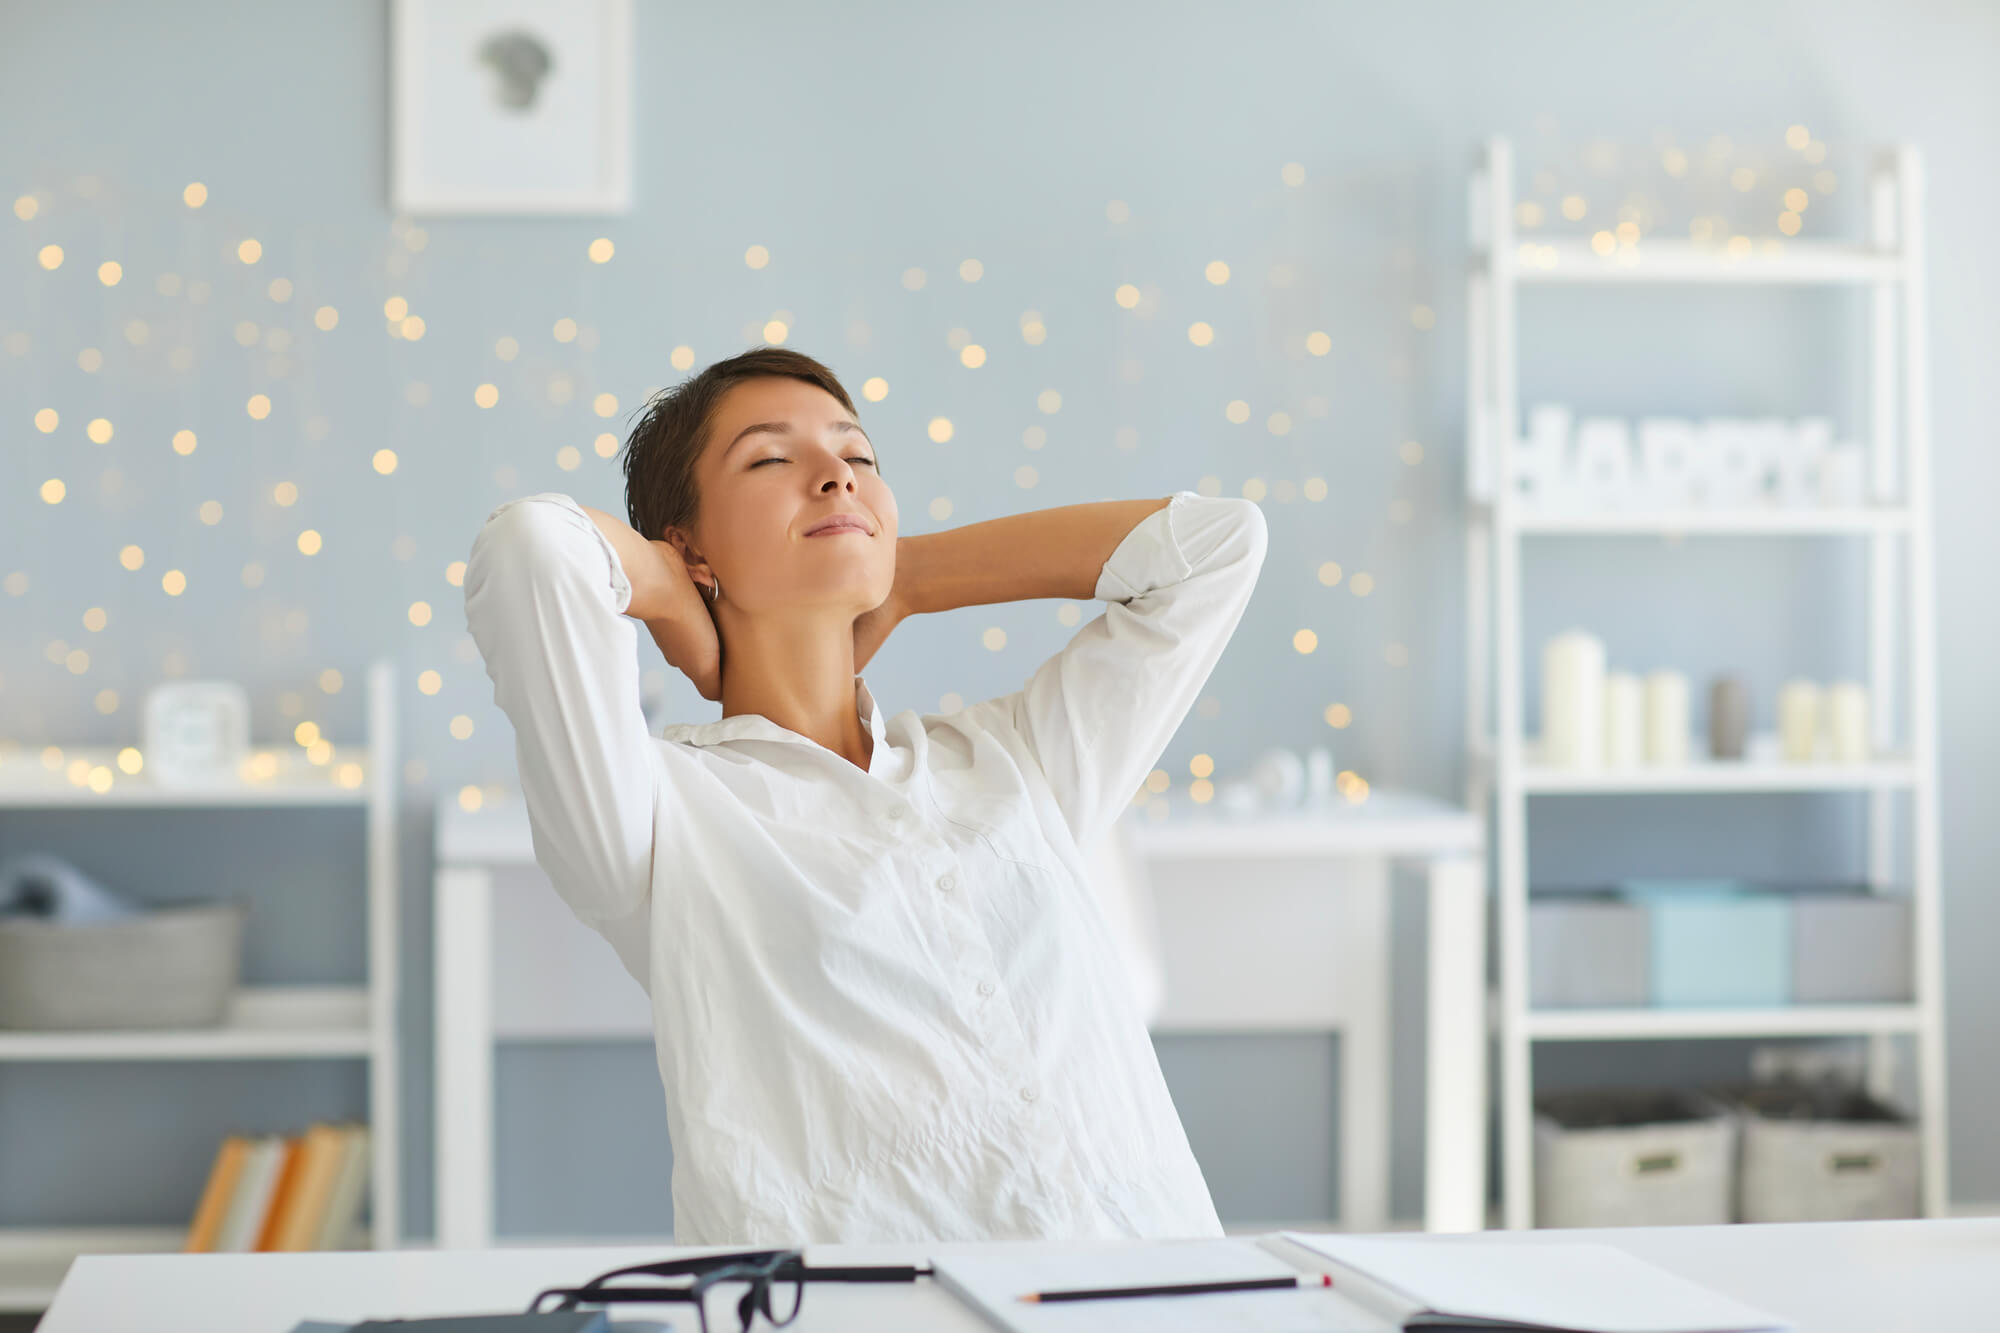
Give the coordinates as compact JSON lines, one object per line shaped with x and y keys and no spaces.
{"x":1379,"y":1283}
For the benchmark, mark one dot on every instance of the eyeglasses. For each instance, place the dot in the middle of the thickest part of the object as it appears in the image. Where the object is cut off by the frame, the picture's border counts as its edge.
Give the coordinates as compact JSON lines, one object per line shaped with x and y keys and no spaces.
{"x":777,"y":1284}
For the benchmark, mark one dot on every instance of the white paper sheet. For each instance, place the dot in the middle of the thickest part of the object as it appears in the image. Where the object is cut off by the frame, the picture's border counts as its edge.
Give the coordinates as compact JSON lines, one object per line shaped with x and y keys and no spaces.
{"x":1591,"y":1287}
{"x":993,"y":1284}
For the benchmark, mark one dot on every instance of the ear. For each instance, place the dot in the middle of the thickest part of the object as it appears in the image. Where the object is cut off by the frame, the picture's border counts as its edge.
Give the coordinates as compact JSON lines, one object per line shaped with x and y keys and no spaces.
{"x":697,"y":567}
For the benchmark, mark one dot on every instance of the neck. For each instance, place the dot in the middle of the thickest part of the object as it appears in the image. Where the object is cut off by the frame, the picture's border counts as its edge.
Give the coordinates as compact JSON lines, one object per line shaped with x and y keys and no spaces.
{"x":798,"y":671}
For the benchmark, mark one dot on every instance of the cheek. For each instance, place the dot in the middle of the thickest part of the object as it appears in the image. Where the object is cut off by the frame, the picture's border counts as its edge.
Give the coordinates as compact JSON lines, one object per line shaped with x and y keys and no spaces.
{"x":737,"y":526}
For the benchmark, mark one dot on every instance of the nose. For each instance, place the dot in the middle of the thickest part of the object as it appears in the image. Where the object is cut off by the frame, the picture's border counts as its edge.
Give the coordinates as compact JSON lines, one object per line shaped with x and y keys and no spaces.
{"x":841,"y":473}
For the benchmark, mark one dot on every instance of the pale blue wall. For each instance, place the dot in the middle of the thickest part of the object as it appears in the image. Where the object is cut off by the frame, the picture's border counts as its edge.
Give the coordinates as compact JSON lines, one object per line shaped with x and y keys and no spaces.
{"x":856,"y":143}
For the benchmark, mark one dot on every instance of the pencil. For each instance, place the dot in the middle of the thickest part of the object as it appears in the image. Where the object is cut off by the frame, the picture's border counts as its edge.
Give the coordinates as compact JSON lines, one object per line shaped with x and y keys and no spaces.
{"x":1182,"y":1289}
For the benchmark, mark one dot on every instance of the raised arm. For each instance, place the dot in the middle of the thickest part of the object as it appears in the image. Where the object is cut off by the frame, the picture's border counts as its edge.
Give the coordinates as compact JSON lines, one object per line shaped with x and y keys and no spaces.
{"x":545,"y":598}
{"x":1177,"y":572}
{"x":1044,"y":553}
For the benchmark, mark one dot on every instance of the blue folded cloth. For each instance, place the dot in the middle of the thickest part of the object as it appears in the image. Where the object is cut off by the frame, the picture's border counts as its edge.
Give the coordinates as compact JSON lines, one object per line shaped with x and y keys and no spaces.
{"x":49,"y":888}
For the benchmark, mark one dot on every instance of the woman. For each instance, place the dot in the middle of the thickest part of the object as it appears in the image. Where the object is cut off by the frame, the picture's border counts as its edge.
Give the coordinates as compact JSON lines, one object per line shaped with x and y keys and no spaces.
{"x":885,"y":1003}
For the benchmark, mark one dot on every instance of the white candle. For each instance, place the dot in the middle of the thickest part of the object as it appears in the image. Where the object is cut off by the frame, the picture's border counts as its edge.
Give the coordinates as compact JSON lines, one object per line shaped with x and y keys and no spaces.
{"x":1666,"y":717}
{"x":1798,"y":719}
{"x":1573,"y":700}
{"x":1624,"y":720}
{"x":1847,"y":722}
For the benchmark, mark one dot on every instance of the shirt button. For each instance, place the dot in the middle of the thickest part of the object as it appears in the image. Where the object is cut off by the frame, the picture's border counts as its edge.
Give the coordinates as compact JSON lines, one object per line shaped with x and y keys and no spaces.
{"x":946,"y":882}
{"x":1029,"y":1094}
{"x":896,"y":812}
{"x":986,"y":988}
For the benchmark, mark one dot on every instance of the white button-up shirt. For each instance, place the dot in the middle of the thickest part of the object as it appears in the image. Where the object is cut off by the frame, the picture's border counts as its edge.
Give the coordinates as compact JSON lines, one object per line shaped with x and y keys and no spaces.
{"x":886,"y":1004}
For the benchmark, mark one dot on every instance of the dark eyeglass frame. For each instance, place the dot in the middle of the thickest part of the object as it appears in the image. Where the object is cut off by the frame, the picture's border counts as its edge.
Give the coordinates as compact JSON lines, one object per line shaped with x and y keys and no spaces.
{"x":761,"y":1269}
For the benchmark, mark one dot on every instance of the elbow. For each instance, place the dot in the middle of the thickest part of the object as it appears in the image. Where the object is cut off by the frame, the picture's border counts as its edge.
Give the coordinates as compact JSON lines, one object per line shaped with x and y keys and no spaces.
{"x":517,"y":549}
{"x":1253,"y":536}
{"x":521,"y":542}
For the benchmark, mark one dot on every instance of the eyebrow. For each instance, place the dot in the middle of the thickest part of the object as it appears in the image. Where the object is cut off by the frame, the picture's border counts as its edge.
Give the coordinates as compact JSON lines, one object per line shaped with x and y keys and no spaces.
{"x":785,"y":428}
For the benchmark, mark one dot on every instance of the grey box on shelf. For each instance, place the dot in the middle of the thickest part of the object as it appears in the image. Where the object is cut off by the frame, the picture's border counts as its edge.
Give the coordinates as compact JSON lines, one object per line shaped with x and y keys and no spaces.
{"x":1629,"y":1157}
{"x":1850,"y":947}
{"x":171,"y":967}
{"x":1586,"y":949}
{"x":1822,"y":1155}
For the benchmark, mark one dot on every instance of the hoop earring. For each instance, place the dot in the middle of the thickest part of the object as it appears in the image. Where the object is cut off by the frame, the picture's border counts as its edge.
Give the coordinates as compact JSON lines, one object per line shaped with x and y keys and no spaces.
{"x":713,"y":591}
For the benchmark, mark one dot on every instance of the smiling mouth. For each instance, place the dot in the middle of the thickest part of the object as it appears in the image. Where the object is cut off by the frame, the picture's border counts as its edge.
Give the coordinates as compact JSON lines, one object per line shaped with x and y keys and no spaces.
{"x":836,"y":528}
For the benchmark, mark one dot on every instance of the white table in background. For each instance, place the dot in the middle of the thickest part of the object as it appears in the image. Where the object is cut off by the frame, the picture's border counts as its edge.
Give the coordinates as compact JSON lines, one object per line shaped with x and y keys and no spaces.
{"x":1839,"y":1277}
{"x":1321,"y":964}
{"x":1280,"y":922}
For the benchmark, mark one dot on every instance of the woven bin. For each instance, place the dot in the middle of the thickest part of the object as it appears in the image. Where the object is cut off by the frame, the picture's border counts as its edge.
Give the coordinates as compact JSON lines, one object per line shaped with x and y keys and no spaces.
{"x":174,"y":967}
{"x":1633,"y":1157}
{"x":1825,"y":1154}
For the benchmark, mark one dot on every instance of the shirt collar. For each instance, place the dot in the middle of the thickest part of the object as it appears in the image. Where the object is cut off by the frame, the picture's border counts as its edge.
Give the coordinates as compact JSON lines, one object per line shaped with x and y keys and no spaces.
{"x":755,"y":726}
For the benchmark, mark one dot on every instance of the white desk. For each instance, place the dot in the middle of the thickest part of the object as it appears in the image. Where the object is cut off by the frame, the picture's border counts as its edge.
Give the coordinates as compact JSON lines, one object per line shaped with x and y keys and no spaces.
{"x":1846,"y":1277}
{"x":1301,"y":946}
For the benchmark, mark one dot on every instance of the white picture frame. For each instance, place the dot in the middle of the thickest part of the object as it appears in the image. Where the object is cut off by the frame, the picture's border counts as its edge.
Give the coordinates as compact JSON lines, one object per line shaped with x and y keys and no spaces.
{"x":511,"y":107}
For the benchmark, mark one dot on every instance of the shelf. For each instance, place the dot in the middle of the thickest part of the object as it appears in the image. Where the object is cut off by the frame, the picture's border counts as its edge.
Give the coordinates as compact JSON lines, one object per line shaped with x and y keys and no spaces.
{"x":1719,"y":776}
{"x":1572,"y":260}
{"x":34,"y":1260}
{"x":27,"y":782}
{"x":1773,"y":522}
{"x":1661,"y":1024}
{"x":1891,"y":602}
{"x":263,"y":1023}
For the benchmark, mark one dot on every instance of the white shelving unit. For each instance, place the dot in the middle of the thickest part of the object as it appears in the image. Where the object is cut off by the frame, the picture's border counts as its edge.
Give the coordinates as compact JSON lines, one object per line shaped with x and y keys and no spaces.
{"x":263,"y":1022}
{"x":1900,"y":630}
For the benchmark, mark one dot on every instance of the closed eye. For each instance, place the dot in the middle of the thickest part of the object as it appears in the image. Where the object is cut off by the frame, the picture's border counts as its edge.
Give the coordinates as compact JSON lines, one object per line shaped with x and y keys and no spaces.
{"x":777,"y":458}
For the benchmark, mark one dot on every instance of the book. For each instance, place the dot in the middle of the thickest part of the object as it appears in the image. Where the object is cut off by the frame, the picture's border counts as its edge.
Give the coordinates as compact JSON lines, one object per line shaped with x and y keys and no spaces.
{"x":245,"y":1214}
{"x":1427,"y":1283}
{"x":215,"y":1195}
{"x":298,"y":1226}
{"x":350,"y":1187}
{"x":992,"y":1285}
{"x":281,"y":1192}
{"x":1525,"y":1286}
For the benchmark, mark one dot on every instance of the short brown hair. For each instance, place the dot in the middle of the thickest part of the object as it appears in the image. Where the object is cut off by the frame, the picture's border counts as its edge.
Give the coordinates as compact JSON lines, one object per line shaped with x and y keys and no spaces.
{"x":661,"y":452}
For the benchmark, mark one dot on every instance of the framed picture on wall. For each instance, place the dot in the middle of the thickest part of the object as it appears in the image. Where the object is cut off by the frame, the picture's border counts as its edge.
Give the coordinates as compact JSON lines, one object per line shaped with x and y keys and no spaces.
{"x":511,"y":106}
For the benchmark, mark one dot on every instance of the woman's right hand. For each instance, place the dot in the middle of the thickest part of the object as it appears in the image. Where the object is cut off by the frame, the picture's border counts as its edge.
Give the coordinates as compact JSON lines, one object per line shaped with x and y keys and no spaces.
{"x":669,"y":602}
{"x":685,"y":630}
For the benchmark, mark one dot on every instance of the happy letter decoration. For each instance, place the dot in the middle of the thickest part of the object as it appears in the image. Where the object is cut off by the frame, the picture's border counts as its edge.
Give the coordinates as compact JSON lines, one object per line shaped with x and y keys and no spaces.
{"x":1567,"y":465}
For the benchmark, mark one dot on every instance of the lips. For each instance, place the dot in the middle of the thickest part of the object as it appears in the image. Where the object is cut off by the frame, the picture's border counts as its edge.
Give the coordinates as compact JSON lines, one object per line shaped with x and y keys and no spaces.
{"x":838,"y":523}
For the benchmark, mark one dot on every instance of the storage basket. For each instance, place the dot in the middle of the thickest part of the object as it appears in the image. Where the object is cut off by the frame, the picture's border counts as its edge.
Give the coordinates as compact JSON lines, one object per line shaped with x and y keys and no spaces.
{"x":1633,"y":1157}
{"x":1822,"y":1154}
{"x":172,"y":967}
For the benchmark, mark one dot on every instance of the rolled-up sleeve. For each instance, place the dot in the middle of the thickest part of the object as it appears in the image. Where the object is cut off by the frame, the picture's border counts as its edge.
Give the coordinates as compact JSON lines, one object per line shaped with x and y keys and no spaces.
{"x":1101,"y":711}
{"x":545,"y":595}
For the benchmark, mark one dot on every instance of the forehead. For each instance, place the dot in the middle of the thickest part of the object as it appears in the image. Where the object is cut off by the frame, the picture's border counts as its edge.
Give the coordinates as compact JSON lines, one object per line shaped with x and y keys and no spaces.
{"x":770,"y":397}
{"x":772,"y":403}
